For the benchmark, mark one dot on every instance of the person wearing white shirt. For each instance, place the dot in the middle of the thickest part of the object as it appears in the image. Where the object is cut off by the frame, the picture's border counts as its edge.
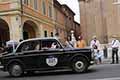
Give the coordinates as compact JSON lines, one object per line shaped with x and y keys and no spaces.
{"x":95,"y":44}
{"x":11,"y":45}
{"x":54,"y":45}
{"x":115,"y":45}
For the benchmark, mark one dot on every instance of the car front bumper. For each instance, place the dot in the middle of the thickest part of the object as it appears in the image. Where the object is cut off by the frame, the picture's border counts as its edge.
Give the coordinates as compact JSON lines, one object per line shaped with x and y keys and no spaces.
{"x":1,"y":67}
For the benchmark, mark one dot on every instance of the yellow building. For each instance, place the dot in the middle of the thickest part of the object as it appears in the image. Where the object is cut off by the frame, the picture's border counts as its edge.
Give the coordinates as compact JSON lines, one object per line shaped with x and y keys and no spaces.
{"x":23,"y":19}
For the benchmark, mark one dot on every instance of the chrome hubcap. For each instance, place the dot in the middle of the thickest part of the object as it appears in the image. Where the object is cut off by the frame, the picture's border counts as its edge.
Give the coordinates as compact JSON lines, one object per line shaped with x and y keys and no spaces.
{"x":16,"y":70}
{"x":79,"y":64}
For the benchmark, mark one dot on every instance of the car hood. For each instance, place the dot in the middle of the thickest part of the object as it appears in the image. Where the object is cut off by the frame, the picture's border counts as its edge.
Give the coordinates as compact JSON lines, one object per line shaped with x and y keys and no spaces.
{"x":5,"y":54}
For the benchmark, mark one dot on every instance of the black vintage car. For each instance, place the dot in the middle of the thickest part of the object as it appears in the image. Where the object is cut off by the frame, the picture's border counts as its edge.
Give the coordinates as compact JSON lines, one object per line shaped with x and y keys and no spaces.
{"x":45,"y":55}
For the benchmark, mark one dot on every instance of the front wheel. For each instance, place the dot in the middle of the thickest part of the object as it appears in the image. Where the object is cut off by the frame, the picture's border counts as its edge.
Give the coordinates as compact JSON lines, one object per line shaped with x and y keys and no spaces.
{"x":15,"y":70}
{"x":79,"y":64}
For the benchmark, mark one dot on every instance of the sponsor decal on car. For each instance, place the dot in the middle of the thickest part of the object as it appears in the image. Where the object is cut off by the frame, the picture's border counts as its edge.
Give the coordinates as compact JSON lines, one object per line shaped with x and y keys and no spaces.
{"x":51,"y":61}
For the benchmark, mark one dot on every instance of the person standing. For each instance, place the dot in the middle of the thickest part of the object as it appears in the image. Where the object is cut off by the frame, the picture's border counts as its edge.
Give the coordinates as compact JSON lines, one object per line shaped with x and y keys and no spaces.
{"x":95,"y":44}
{"x":11,"y":45}
{"x":69,"y":43}
{"x":115,"y":45}
{"x":80,"y":43}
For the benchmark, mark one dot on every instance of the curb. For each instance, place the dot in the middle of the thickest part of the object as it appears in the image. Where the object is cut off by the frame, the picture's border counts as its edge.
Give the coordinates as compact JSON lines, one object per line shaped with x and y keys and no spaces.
{"x":106,"y":61}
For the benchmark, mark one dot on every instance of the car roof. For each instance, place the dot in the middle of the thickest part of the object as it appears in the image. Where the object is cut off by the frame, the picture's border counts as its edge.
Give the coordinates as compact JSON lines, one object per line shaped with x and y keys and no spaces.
{"x":44,"y":38}
{"x":33,"y":39}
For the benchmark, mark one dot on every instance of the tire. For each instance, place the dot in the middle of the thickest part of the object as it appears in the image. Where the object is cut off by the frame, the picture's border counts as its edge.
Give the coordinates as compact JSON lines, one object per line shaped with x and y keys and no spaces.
{"x":79,"y":64}
{"x":15,"y":70}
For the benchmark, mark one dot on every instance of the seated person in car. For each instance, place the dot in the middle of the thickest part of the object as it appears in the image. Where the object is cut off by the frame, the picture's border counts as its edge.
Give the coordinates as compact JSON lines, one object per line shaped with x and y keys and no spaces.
{"x":54,"y":45}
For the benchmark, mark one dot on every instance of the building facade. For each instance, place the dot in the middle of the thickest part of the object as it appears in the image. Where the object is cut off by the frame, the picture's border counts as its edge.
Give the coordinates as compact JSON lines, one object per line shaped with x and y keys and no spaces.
{"x":24,"y":19}
{"x":100,"y":18}
{"x":69,"y":24}
{"x":60,"y":20}
{"x":77,"y":30}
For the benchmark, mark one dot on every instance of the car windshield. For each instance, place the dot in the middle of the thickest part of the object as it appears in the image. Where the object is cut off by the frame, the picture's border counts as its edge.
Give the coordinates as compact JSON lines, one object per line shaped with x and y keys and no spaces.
{"x":62,"y":43}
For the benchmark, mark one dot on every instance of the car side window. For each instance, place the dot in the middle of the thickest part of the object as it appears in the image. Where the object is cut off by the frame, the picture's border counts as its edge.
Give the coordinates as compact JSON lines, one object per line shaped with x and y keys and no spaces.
{"x":29,"y":46}
{"x":45,"y":44}
{"x":50,"y":44}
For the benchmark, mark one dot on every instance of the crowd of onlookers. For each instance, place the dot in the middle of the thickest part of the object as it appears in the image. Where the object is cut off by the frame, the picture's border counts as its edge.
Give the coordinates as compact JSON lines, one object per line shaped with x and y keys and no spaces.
{"x":96,"y":46}
{"x":80,"y":43}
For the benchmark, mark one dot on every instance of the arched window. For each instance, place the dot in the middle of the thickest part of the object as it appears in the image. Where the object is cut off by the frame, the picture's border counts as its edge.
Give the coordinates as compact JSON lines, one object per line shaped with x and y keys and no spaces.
{"x":45,"y":33}
{"x":43,"y":7}
{"x":51,"y":34}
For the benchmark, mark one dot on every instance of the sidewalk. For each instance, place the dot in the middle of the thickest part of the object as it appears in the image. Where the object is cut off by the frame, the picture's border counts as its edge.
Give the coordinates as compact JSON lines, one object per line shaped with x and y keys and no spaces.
{"x":106,"y":61}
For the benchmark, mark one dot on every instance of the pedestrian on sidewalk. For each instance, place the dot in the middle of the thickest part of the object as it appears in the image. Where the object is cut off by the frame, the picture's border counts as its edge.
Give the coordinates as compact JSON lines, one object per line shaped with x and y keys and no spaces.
{"x":11,"y":45}
{"x":95,"y":44}
{"x":80,"y":43}
{"x":69,"y":43}
{"x":115,"y":45}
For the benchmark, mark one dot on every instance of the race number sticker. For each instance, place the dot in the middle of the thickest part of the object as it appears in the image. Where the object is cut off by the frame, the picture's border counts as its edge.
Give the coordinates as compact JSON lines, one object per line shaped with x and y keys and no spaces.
{"x":52,"y":61}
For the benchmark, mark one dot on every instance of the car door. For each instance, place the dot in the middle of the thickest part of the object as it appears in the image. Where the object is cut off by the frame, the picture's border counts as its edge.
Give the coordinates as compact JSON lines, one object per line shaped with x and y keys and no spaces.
{"x":50,"y":57}
{"x":27,"y":53}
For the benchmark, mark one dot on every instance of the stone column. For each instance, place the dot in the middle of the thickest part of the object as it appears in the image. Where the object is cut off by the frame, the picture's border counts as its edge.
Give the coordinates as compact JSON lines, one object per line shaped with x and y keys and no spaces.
{"x":15,"y":28}
{"x":41,"y":30}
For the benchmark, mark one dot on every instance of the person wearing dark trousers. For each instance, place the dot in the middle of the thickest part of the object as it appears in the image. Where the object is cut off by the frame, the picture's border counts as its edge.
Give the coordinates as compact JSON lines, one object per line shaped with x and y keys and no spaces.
{"x":115,"y":53}
{"x":115,"y":45}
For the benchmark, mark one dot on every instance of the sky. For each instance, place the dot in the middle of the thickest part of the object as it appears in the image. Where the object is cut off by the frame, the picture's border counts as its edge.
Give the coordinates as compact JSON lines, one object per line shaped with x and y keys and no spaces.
{"x":73,"y":4}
